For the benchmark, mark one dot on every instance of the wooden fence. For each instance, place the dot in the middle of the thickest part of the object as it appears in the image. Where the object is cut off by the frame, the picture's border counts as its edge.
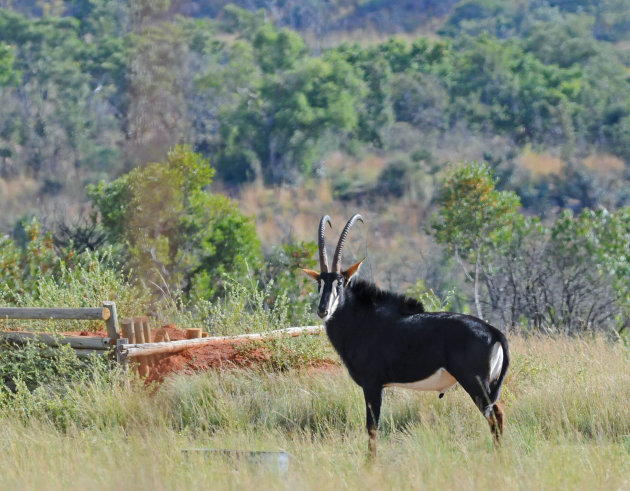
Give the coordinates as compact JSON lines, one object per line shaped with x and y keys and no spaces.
{"x":134,"y":341}
{"x":83,"y":345}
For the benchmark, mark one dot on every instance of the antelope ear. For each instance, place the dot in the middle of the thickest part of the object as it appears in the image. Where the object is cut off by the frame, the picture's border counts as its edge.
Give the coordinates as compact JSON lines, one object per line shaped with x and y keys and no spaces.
{"x":312,"y":274}
{"x":352,"y":270}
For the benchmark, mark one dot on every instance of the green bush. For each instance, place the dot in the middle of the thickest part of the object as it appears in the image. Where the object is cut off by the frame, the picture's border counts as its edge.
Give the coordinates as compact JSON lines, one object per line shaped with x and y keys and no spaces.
{"x":178,"y":236}
{"x":22,"y":265}
{"x":35,"y":365}
{"x":89,"y":279}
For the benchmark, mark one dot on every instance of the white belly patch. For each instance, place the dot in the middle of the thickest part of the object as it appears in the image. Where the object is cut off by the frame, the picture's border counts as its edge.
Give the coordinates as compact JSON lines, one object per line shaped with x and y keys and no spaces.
{"x":440,"y":381}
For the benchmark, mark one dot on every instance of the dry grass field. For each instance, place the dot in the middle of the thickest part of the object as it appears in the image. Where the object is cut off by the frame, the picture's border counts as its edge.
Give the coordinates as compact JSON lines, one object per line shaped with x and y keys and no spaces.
{"x":567,"y":402}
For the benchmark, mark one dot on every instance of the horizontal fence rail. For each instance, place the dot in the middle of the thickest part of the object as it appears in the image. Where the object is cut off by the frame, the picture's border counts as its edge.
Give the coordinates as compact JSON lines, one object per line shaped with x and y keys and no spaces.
{"x":145,"y":349}
{"x":54,"y":313}
{"x":77,"y":342}
{"x":105,"y":313}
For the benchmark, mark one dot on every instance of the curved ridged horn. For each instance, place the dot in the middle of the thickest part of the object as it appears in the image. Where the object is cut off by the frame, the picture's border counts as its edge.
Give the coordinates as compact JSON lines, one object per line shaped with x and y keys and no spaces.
{"x":336,"y":266}
{"x":323,"y":258}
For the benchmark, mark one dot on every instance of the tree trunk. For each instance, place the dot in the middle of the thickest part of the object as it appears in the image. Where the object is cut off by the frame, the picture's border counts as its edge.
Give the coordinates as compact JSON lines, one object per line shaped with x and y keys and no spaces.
{"x":477,"y":301}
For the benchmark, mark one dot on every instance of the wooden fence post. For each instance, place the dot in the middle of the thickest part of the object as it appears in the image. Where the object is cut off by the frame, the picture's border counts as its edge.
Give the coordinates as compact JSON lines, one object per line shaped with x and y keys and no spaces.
{"x":145,"y":328}
{"x":112,"y":322}
{"x":147,"y":339}
{"x":139,"y":330}
{"x":127,"y":330}
{"x":193,"y":333}
{"x":121,"y":357}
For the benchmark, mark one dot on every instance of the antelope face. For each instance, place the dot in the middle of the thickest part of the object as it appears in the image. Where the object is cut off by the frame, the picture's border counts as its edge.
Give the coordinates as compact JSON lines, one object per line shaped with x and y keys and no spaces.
{"x":330,"y":292}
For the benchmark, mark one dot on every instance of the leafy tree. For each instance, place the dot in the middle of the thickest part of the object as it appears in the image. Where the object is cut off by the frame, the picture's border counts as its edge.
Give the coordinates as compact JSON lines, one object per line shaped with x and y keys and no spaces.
{"x":606,"y":238}
{"x":157,"y":78}
{"x":421,"y":100}
{"x":277,"y":129}
{"x":100,"y":18}
{"x":281,"y":276}
{"x":177,"y":235}
{"x":277,"y":50}
{"x":246,"y":23}
{"x":376,"y":115}
{"x":474,"y":219}
{"x":613,"y":20}
{"x":474,"y":17}
{"x":496,"y":83}
{"x":570,"y":276}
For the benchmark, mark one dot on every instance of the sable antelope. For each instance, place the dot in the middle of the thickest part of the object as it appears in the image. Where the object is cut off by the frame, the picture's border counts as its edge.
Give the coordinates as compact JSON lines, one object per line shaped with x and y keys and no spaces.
{"x":385,"y":339}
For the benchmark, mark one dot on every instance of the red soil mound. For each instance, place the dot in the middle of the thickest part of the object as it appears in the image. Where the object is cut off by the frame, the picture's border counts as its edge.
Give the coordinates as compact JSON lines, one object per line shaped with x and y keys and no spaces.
{"x":223,"y":354}
{"x":217,"y":355}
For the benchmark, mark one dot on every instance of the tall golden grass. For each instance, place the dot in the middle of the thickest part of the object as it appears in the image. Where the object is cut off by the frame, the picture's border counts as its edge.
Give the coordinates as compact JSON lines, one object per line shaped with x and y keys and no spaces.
{"x":566,"y":400}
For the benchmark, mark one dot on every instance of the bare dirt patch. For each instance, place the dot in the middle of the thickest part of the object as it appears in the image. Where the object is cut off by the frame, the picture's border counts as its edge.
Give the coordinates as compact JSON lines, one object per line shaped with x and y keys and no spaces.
{"x":223,"y":354}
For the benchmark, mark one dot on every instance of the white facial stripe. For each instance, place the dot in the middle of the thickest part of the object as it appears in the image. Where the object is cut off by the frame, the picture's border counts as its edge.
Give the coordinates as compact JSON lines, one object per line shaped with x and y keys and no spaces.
{"x":333,"y":301}
{"x":333,"y":298}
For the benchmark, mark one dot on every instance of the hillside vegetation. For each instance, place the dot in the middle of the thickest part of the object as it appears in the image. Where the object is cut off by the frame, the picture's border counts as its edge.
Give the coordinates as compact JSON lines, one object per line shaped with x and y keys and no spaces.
{"x":92,"y":89}
{"x":126,"y":126}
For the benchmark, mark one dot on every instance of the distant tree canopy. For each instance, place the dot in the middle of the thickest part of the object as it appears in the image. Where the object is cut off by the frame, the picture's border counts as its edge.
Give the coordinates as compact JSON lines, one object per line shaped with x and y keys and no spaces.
{"x":94,"y":88}
{"x":97,"y":92}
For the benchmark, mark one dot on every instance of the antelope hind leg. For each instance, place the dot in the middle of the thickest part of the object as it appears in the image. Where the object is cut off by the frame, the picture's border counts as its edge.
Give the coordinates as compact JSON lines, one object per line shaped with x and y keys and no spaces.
{"x":496,"y":420}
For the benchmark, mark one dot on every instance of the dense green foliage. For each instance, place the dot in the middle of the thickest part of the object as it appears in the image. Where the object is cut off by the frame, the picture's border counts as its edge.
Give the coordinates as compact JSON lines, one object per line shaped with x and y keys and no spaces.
{"x":93,"y":88}
{"x":115,"y":110}
{"x":474,"y":220}
{"x":61,"y":116}
{"x":36,"y":273}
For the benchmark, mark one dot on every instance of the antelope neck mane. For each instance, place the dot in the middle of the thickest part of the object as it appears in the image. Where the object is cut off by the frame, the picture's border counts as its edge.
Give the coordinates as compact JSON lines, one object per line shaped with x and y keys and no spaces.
{"x":369,"y":294}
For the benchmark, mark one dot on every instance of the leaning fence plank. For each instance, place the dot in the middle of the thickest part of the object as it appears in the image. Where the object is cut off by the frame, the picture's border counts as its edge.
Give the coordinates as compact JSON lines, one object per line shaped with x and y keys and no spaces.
{"x":135,"y":350}
{"x":54,"y":313}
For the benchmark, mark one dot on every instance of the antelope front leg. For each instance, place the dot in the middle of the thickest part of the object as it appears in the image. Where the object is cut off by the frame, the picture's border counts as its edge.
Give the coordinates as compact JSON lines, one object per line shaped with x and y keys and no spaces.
{"x":373,"y":399}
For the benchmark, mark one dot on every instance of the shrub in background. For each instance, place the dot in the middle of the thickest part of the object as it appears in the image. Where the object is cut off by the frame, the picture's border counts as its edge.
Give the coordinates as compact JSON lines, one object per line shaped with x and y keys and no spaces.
{"x":176,"y":234}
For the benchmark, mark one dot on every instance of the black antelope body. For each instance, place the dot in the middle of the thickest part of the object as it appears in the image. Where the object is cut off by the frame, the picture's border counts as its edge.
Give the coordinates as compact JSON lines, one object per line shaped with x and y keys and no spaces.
{"x":385,"y":339}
